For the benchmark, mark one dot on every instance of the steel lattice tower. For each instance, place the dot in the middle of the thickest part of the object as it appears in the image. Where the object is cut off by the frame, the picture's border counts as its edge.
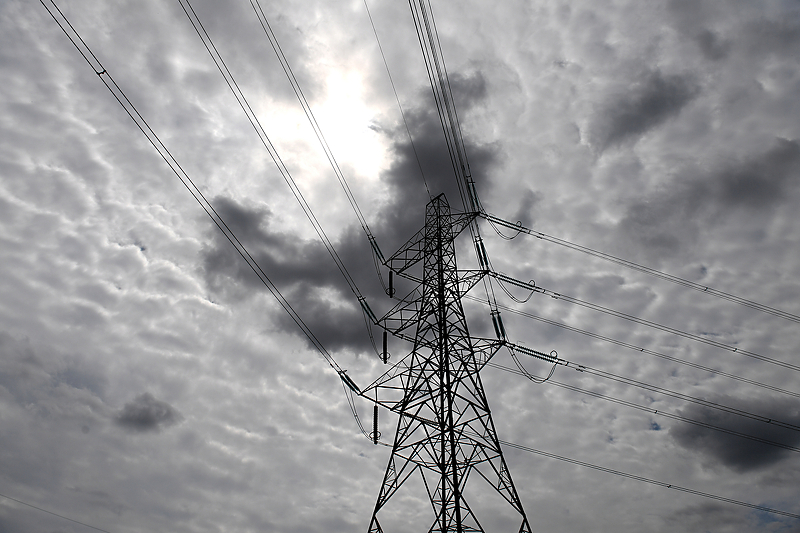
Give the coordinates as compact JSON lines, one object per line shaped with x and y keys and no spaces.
{"x":445,"y":431}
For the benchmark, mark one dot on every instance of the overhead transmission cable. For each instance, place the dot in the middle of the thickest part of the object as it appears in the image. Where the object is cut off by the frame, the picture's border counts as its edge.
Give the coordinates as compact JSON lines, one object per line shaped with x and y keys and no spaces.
{"x":518,"y":227}
{"x":443,"y":97}
{"x":554,"y":359}
{"x":399,"y":105}
{"x":262,"y":135}
{"x":52,"y":513}
{"x":650,"y":481}
{"x":432,"y":65}
{"x":298,"y":91}
{"x":423,"y":25}
{"x":227,"y":75}
{"x":377,"y":256}
{"x":443,"y":110}
{"x":662,"y":412}
{"x":659,"y":412}
{"x":430,"y":45}
{"x":641,"y":349}
{"x":92,"y":60}
{"x":644,"y":322}
{"x":688,"y":398}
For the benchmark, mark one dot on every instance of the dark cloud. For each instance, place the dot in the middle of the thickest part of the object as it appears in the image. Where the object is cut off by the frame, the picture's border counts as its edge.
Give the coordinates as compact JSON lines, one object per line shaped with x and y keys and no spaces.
{"x":428,"y":156}
{"x":712,"y":46}
{"x":676,"y":214}
{"x":757,"y":35}
{"x":762,"y":181}
{"x":707,"y":516}
{"x":528,"y":202}
{"x":35,"y":380}
{"x":778,"y":37}
{"x":692,"y":18}
{"x":147,"y":414}
{"x":304,"y":271}
{"x":22,"y":372}
{"x":282,"y":256}
{"x":738,"y":453}
{"x":648,"y":103}
{"x":80,"y":375}
{"x":468,"y":90}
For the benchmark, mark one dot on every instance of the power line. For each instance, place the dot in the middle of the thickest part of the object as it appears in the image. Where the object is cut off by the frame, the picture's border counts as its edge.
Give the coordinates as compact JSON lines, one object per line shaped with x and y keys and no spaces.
{"x":298,"y":91}
{"x":650,"y":481}
{"x":287,"y":176}
{"x":659,"y":412}
{"x":668,"y":329}
{"x":52,"y":513}
{"x":688,"y":398}
{"x":430,"y":45}
{"x":187,"y":182}
{"x":644,"y":322}
{"x":432,"y":64}
{"x":184,"y":178}
{"x":394,"y":89}
{"x":641,"y":268}
{"x":554,"y":359}
{"x":641,"y":349}
{"x":262,"y":135}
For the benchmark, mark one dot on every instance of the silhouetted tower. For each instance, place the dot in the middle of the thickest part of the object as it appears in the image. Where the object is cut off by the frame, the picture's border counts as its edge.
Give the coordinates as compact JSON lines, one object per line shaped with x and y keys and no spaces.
{"x":445,"y":431}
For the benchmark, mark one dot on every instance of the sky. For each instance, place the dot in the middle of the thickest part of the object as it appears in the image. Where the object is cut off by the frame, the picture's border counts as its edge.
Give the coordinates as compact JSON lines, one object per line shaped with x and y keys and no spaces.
{"x":149,"y":382}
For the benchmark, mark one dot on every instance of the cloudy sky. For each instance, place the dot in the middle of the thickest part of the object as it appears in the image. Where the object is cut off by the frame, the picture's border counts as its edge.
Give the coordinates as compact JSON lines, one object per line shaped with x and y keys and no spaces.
{"x":148,"y":382}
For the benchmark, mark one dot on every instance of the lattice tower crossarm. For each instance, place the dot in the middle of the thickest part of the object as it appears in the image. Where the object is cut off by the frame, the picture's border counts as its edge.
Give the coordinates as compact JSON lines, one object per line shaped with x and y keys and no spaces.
{"x":445,"y":431}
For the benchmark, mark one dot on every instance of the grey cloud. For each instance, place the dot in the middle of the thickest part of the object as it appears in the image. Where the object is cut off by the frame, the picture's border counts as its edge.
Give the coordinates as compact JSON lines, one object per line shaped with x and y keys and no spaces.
{"x":34,"y":380}
{"x":692,"y":19}
{"x":675,"y":214}
{"x":712,"y":46}
{"x":22,"y":372}
{"x":648,"y":103}
{"x":772,"y":37}
{"x":737,"y":453}
{"x":528,"y":202}
{"x":147,"y":414}
{"x":755,"y":33}
{"x":304,"y":270}
{"x":690,"y":13}
{"x":405,"y":212}
{"x":468,"y":90}
{"x":763,"y":180}
{"x":79,"y":375}
{"x":706,"y":517}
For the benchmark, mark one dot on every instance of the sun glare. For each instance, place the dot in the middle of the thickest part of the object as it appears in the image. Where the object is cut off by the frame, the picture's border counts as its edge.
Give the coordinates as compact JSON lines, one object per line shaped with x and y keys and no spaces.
{"x":345,"y":118}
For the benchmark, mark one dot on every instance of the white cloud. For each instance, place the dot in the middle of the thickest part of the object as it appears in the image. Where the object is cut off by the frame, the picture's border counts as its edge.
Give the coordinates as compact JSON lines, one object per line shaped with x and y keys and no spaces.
{"x":666,"y":134}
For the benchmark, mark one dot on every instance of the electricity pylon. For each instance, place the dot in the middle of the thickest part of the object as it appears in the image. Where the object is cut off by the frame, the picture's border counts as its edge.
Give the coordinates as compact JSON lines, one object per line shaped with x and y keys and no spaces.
{"x":445,"y":431}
